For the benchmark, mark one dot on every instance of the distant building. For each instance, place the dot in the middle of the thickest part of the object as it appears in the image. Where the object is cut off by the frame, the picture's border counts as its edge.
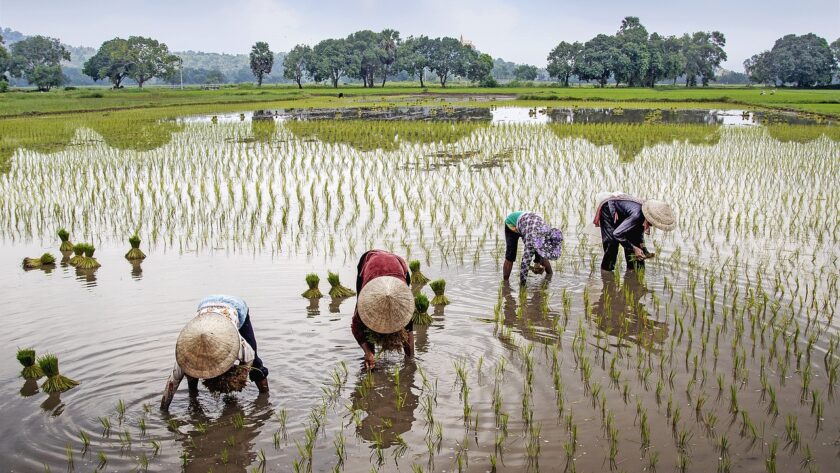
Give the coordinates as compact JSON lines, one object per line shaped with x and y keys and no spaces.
{"x":467,"y":43}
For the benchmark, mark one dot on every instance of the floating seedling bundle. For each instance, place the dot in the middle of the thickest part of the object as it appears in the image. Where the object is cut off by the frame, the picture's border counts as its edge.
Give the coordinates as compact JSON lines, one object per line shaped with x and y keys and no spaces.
{"x":55,"y":382}
{"x":64,"y":235}
{"x":78,"y":254}
{"x":45,"y":260}
{"x":313,"y":292}
{"x":134,"y":253}
{"x":233,"y":380}
{"x":416,"y":276}
{"x":439,"y":286}
{"x":387,"y":341}
{"x":88,"y":261}
{"x":421,"y":314}
{"x":336,"y":289}
{"x":26,"y":357}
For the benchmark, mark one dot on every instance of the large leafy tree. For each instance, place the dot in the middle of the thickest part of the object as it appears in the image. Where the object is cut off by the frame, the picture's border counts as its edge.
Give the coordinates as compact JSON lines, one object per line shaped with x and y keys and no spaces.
{"x":112,"y":61}
{"x":597,"y":59}
{"x":4,"y":61}
{"x":296,"y":63}
{"x":38,"y":60}
{"x":759,"y":70}
{"x":330,"y":61}
{"x":477,"y":65}
{"x":525,"y":72}
{"x":447,"y":58}
{"x":365,"y":56}
{"x":262,"y":60}
{"x":562,"y":60}
{"x":632,"y":58}
{"x":703,"y":53}
{"x":150,"y":58}
{"x":413,"y":56}
{"x":835,"y":49}
{"x":804,"y":61}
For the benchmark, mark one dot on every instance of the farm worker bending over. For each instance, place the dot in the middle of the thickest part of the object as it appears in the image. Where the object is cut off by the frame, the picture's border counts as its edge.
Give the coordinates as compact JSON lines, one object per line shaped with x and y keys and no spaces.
{"x":624,"y":221}
{"x":542,"y":243}
{"x":385,"y":305}
{"x":218,"y":346}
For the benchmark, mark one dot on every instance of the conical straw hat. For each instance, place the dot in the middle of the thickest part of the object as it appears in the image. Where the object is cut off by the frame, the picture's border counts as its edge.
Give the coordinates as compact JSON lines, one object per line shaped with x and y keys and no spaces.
{"x":386,"y":304}
{"x":659,"y":214}
{"x":207,"y":346}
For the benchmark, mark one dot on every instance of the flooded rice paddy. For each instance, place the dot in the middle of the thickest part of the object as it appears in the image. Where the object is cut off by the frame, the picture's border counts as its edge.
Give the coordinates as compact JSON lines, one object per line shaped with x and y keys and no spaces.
{"x":721,"y":356}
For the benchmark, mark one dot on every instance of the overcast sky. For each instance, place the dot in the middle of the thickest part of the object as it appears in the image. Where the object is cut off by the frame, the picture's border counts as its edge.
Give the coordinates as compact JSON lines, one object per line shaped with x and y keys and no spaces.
{"x":516,"y":30}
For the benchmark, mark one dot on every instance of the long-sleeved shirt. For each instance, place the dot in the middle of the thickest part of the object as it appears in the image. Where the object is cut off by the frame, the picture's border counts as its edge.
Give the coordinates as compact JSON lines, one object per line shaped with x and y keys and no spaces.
{"x":373,"y":264}
{"x":626,"y":226}
{"x":539,"y":239}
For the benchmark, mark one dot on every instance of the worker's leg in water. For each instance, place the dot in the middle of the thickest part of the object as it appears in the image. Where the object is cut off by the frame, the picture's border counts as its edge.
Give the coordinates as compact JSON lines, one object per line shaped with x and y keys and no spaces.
{"x":511,"y":244}
{"x":610,"y":254}
{"x":259,"y":371}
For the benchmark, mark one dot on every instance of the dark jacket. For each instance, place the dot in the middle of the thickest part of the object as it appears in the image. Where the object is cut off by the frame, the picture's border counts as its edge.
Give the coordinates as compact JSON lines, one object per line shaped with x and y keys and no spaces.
{"x":625,"y":224}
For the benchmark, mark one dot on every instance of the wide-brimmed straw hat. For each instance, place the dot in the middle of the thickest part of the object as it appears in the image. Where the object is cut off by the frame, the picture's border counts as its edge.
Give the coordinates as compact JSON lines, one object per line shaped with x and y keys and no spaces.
{"x":207,"y":346}
{"x":659,"y":214}
{"x":386,"y":304}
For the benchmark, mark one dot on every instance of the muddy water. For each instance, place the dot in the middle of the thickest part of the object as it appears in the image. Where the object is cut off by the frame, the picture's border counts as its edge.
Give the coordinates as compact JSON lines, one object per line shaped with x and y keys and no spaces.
{"x":114,"y":329}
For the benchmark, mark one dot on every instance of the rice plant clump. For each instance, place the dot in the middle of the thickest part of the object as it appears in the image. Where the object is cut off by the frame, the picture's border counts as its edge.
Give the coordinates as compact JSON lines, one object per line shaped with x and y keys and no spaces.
{"x":78,"y":254}
{"x":416,"y":276}
{"x":313,"y":292}
{"x":64,"y":235}
{"x":387,"y":341}
{"x":45,"y":260}
{"x":88,"y":261}
{"x":26,"y":357}
{"x":233,"y":380}
{"x":134,"y":253}
{"x":336,"y":289}
{"x":55,"y":382}
{"x":421,"y":314}
{"x":439,"y":286}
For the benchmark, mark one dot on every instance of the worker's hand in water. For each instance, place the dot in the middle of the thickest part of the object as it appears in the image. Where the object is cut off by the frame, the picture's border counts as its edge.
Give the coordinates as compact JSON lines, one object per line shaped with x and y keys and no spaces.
{"x":640,"y":253}
{"x":370,"y":361}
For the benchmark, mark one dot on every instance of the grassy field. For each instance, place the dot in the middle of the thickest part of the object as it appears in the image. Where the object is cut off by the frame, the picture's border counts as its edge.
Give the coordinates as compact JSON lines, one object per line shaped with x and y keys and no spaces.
{"x":19,"y":102}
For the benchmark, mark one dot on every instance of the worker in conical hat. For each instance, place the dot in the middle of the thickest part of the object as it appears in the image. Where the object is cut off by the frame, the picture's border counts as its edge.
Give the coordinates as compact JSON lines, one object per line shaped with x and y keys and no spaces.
{"x":385,"y":305}
{"x":624,"y":221}
{"x":218,"y":346}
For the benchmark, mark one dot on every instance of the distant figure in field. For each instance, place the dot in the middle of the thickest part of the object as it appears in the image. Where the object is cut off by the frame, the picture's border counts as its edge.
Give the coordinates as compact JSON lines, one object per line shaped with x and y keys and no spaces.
{"x":624,"y":221}
{"x":385,"y":305}
{"x":218,"y":346}
{"x":542,"y":243}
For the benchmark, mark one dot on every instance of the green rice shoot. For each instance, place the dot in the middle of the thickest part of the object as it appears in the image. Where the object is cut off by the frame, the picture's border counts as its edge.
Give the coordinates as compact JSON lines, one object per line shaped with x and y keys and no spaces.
{"x":313,"y":292}
{"x":134,"y":253}
{"x":417,"y":277}
{"x":26,"y":357}
{"x":421,"y":308}
{"x":55,"y":382}
{"x":336,"y":289}
{"x":439,"y":286}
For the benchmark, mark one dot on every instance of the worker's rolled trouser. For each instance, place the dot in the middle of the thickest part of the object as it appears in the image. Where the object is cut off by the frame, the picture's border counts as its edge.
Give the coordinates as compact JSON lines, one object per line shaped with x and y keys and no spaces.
{"x":611,"y":246}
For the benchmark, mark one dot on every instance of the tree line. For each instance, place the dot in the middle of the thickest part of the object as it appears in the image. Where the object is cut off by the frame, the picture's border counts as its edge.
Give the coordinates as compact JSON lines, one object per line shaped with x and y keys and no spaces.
{"x":804,"y":61}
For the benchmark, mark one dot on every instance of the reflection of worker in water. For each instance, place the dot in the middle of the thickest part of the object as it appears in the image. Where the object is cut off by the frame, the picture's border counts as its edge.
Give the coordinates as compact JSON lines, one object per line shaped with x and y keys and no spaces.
{"x":542,"y":243}
{"x":527,"y":316}
{"x":619,"y":313}
{"x":379,"y":404}
{"x":217,"y":343}
{"x":205,"y":449}
{"x":385,"y":305}
{"x":624,"y":221}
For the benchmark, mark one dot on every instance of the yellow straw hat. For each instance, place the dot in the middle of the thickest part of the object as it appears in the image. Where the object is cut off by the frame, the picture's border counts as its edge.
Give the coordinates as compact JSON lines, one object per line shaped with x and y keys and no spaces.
{"x":207,"y":346}
{"x":659,"y":214}
{"x":386,"y":304}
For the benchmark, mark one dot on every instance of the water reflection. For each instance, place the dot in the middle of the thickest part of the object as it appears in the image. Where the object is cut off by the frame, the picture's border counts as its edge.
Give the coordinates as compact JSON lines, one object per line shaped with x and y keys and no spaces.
{"x":530,"y":316}
{"x":619,"y":311}
{"x":136,"y":270}
{"x":388,"y":404}
{"x":227,"y":441}
{"x":86,"y":276}
{"x":438,"y":113}
{"x":335,"y":304}
{"x":53,"y":404}
{"x":314,"y":308}
{"x":29,"y":388}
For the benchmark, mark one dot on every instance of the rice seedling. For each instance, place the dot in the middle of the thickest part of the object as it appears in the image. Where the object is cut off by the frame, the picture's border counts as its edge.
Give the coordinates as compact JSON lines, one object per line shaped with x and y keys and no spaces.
{"x":103,"y":460}
{"x":85,"y":440}
{"x":64,"y":236}
{"x":31,"y":370}
{"x":313,"y":292}
{"x":88,"y":261}
{"x":135,"y":254}
{"x":421,"y":307}
{"x":68,"y":453}
{"x":336,"y":289}
{"x":438,"y":287}
{"x":78,"y":254}
{"x":46,"y":260}
{"x":155,"y":447}
{"x":417,"y":277}
{"x":55,"y":382}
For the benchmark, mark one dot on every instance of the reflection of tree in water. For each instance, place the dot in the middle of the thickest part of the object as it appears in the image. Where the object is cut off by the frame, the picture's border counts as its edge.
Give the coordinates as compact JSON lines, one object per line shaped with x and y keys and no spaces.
{"x":135,"y":134}
{"x":368,"y":135}
{"x":263,"y":127}
{"x":530,"y":316}
{"x":377,"y":394}
{"x":620,"y":313}
{"x":629,"y":140}
{"x":803,"y":133}
{"x":205,"y":449}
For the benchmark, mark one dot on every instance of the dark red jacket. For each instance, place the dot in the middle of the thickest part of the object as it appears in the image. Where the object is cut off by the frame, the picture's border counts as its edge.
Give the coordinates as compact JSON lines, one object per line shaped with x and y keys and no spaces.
{"x":373,"y":264}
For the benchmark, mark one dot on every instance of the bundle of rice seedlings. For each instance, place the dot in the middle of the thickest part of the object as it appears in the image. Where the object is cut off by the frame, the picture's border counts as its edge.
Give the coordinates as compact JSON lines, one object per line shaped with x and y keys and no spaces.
{"x":336,"y":289}
{"x":26,"y":357}
{"x":388,"y":341}
{"x":45,"y":260}
{"x":78,"y":254}
{"x":55,"y":382}
{"x":313,"y":292}
{"x":134,"y":253}
{"x":65,"y":240}
{"x":233,"y":380}
{"x":421,"y":314}
{"x":88,"y":261}
{"x":439,"y":286}
{"x":416,"y":276}
{"x":537,"y":268}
